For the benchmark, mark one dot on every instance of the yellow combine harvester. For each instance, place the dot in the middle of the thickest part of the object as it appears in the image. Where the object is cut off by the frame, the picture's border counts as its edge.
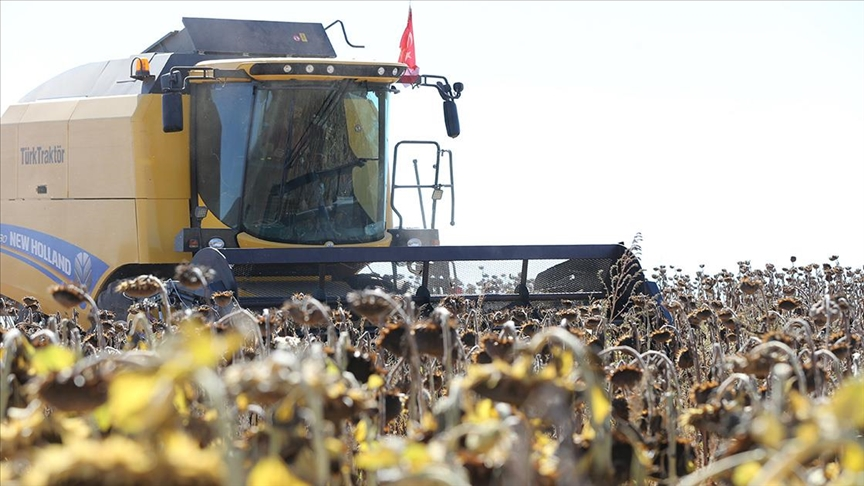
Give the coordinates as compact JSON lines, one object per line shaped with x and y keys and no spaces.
{"x":247,"y":147}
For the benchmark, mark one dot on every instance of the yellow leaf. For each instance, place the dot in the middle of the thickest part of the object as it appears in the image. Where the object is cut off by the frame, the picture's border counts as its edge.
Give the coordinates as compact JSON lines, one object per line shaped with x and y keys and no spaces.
{"x":52,"y":358}
{"x":271,"y":471}
{"x":601,"y":407}
{"x":808,"y":433}
{"x":852,"y":457}
{"x":208,"y":350}
{"x":102,"y":416}
{"x":285,"y":411}
{"x":334,"y":446}
{"x":376,"y":457}
{"x":242,"y":402}
{"x":588,"y":433}
{"x":768,"y":430}
{"x":745,"y":473}
{"x":180,"y":402}
{"x":486,"y":409}
{"x":846,"y":403}
{"x":566,"y":362}
{"x":375,"y":382}
{"x":416,"y":455}
{"x":138,"y":401}
{"x":361,"y":431}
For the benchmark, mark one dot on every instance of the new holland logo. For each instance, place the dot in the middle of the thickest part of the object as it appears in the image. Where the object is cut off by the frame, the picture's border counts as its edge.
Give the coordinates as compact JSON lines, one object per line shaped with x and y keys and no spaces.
{"x":82,"y":270}
{"x":57,"y":259}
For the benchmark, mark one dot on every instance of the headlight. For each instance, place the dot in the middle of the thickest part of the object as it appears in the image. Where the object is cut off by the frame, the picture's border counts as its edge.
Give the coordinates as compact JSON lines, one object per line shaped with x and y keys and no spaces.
{"x":217,"y":243}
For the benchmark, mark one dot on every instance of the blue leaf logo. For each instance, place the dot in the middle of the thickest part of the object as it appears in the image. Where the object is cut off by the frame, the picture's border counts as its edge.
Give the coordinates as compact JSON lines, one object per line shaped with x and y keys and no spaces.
{"x":83,"y":270}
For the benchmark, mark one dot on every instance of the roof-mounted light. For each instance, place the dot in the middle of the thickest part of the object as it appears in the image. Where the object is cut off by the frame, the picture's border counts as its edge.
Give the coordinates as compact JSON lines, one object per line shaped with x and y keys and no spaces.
{"x":348,"y":70}
{"x":140,"y":69}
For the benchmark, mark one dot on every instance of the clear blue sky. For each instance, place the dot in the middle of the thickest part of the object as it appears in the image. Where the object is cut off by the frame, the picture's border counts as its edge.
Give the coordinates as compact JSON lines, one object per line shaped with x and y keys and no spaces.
{"x":721,"y":131}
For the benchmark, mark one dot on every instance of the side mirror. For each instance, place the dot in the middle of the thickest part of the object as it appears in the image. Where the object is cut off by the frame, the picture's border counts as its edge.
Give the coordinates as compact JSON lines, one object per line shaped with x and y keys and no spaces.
{"x":172,"y":112}
{"x":451,"y":118}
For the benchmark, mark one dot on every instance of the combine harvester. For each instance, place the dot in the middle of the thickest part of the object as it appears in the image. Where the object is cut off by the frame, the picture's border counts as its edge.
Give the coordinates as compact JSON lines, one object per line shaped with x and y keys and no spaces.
{"x":250,"y":148}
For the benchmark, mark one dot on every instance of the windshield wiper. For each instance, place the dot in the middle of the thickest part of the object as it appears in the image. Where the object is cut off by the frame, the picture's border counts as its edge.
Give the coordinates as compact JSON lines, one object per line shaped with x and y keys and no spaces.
{"x":321,"y":116}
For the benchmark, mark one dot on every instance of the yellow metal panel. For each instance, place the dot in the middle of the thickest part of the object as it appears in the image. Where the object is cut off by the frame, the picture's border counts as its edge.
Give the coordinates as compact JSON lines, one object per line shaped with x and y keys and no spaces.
{"x":159,"y":221}
{"x":43,"y":146}
{"x":210,"y":221}
{"x":245,"y":240}
{"x":9,"y":151}
{"x":121,"y":151}
{"x":162,"y":159}
{"x":46,"y":242}
{"x":100,"y":139}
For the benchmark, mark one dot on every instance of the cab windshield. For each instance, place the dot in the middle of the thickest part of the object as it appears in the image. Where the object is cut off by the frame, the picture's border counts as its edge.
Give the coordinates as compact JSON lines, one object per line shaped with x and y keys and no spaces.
{"x":292,"y":162}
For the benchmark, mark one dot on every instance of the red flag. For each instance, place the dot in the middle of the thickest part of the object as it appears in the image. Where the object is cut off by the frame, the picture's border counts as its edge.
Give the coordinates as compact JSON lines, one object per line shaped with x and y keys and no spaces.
{"x":407,"y":54}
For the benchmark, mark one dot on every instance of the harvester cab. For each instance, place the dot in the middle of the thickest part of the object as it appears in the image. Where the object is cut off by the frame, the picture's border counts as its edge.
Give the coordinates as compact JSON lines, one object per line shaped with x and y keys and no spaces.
{"x":249,"y":148}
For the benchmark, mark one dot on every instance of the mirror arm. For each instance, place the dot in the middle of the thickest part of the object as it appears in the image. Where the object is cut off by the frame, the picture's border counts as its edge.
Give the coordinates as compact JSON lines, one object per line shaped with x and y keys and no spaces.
{"x":447,"y":92}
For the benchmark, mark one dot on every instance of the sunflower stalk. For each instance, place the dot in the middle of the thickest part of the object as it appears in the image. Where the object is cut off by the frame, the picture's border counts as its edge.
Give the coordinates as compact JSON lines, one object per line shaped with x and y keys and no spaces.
{"x":649,"y":390}
{"x":808,"y":334}
{"x":703,"y":475}
{"x":602,"y":460}
{"x":214,"y":388}
{"x":11,"y":341}
{"x":793,"y":360}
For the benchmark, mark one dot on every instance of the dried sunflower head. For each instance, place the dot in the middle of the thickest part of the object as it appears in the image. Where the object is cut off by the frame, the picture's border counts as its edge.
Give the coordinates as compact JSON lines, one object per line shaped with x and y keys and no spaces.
{"x":140,"y":287}
{"x":307,"y":310}
{"x":629,"y":340}
{"x":372,"y":304}
{"x":455,"y":304}
{"x":223,"y":298}
{"x":498,"y":347}
{"x":750,"y":285}
{"x":469,"y":339}
{"x":621,"y":407}
{"x":430,"y":339}
{"x":788,"y":304}
{"x":592,"y":322}
{"x":362,"y":365}
{"x":701,"y":392}
{"x":193,"y":276}
{"x":779,"y":336}
{"x":498,"y":318}
{"x":80,"y":389}
{"x":68,"y":295}
{"x":663,"y":335}
{"x":569,"y":313}
{"x":392,"y":338}
{"x":684,"y":358}
{"x":626,"y":376}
